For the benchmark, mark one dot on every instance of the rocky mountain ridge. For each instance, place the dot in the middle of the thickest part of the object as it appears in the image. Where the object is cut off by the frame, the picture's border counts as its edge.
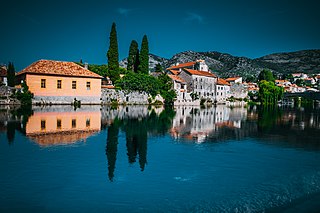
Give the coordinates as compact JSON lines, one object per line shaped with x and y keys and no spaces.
{"x":226,"y":65}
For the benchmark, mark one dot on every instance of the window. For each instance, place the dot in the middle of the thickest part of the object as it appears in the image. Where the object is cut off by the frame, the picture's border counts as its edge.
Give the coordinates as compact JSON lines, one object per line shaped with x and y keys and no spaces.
{"x":74,"y":123}
{"x":59,"y":84}
{"x":43,"y":124}
{"x":43,"y":83}
{"x":59,"y":124}
{"x":74,"y":84}
{"x":88,"y":122}
{"x":88,"y":85}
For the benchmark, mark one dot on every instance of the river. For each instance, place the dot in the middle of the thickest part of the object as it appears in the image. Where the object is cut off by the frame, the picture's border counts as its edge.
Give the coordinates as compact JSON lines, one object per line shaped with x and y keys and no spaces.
{"x":151,"y":159}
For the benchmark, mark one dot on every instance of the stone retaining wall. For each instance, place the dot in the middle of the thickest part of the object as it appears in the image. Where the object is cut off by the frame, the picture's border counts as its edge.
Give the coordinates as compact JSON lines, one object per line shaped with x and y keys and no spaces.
{"x":65,"y":99}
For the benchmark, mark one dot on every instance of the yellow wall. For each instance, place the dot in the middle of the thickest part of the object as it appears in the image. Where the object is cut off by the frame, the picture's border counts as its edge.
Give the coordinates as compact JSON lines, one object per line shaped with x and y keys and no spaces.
{"x":33,"y":125}
{"x":34,"y":83}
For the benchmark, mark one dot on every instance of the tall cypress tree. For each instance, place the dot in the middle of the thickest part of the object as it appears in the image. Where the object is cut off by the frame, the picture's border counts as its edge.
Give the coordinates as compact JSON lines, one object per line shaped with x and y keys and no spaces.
{"x":132,"y":55}
{"x":137,"y":62}
{"x":144,"y":56}
{"x":11,"y":73}
{"x":113,"y":55}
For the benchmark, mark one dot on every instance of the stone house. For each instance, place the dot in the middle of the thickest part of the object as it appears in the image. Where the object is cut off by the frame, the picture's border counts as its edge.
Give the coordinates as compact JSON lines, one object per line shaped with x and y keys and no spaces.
{"x":180,"y":87}
{"x":3,"y":76}
{"x":234,"y":80}
{"x":222,"y":90}
{"x":59,"y":82}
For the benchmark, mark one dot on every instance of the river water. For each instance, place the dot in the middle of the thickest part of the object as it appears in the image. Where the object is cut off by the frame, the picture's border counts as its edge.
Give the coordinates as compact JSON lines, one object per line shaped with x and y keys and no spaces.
{"x":149,"y":159}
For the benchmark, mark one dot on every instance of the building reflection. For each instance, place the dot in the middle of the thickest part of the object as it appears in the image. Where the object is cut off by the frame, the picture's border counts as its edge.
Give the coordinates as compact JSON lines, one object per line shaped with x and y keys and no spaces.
{"x":198,"y":124}
{"x":62,"y":125}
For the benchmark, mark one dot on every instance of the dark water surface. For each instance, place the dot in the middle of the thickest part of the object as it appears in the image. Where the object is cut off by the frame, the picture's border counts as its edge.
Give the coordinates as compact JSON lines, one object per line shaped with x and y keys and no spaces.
{"x":140,"y":159}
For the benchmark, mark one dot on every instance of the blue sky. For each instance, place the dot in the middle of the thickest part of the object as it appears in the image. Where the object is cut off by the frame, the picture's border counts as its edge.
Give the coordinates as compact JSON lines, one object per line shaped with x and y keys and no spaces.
{"x":74,"y":30}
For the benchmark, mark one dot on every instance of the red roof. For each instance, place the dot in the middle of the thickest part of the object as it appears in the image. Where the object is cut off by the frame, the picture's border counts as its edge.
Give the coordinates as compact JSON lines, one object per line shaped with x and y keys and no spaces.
{"x":107,"y":86}
{"x":3,"y":71}
{"x":188,"y":64}
{"x":232,"y":79}
{"x":174,"y":72}
{"x":201,"y":73}
{"x":177,"y":78}
{"x":222,"y":81}
{"x":49,"y":67}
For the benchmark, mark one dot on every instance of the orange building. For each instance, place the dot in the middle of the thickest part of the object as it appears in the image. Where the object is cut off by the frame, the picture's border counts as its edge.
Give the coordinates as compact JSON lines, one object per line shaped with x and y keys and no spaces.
{"x":60,"y":82}
{"x":58,"y":128}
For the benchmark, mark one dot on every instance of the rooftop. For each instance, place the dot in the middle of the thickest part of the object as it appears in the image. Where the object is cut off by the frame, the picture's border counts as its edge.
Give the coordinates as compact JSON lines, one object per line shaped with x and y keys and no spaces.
{"x":232,"y":79}
{"x":176,"y":78}
{"x":183,"y":65}
{"x":3,"y":71}
{"x":201,"y":73}
{"x":222,"y":81}
{"x":63,"y":68}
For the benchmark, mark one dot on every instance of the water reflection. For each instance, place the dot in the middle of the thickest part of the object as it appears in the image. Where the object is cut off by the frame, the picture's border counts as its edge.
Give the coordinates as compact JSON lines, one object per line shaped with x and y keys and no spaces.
{"x":62,"y":125}
{"x":137,"y":123}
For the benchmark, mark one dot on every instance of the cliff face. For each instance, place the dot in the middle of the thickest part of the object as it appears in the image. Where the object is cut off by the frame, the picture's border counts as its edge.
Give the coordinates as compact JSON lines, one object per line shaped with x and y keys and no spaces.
{"x":225,"y":65}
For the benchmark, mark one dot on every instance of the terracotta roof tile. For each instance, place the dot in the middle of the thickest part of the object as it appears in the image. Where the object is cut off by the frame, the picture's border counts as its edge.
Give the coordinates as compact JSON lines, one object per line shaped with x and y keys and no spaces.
{"x":222,"y":81}
{"x":201,"y":73}
{"x":177,"y":78}
{"x":188,"y":64}
{"x":174,"y":72}
{"x":232,"y":79}
{"x":51,"y":67}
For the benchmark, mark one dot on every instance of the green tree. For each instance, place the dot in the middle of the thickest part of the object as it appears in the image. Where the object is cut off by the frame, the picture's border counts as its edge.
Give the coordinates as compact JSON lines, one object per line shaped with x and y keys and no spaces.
{"x":113,"y":55}
{"x":165,"y":87}
{"x":266,"y":75}
{"x":144,"y":56}
{"x":24,"y":96}
{"x":159,"y":68}
{"x":269,"y":93}
{"x":137,"y":62}
{"x":11,"y":73}
{"x":132,"y":58}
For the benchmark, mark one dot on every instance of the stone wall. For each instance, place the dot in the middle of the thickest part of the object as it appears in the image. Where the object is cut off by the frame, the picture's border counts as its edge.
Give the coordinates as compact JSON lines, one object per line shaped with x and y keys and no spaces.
{"x":65,"y":99}
{"x":108,"y":96}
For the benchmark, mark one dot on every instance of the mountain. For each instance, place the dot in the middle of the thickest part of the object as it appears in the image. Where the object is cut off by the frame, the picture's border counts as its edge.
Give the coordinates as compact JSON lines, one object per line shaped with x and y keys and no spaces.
{"x":153,"y":61}
{"x":226,"y":65}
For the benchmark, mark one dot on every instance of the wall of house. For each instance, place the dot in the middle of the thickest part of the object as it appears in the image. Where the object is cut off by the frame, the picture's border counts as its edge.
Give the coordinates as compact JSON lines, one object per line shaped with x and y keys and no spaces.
{"x":65,"y":94}
{"x":204,"y":86}
{"x":222,"y":93}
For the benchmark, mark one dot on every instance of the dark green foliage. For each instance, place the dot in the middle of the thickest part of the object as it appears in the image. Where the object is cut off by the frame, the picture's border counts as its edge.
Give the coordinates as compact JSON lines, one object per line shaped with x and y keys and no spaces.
{"x":144,"y":56}
{"x":11,"y":73}
{"x":251,"y":78}
{"x":133,"y":53}
{"x":113,"y":55}
{"x":139,"y":82}
{"x":269,"y":93}
{"x":137,"y":62}
{"x":159,"y":68}
{"x":25,"y":97}
{"x":112,"y":148}
{"x":99,"y":69}
{"x":300,"y":82}
{"x":166,"y":91}
{"x":266,"y":75}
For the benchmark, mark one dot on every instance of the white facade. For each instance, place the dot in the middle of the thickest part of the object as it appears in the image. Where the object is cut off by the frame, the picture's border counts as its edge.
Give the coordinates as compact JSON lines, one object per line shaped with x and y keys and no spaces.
{"x":222,"y":93}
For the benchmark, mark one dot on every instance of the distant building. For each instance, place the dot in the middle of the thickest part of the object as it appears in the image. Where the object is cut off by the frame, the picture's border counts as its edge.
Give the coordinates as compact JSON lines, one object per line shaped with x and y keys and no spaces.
{"x":3,"y":76}
{"x":234,"y":80}
{"x":60,"y":82}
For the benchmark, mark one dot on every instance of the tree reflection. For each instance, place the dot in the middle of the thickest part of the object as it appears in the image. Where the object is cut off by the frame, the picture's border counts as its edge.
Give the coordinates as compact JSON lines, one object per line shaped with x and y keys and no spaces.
{"x":112,"y":148}
{"x":137,"y":129}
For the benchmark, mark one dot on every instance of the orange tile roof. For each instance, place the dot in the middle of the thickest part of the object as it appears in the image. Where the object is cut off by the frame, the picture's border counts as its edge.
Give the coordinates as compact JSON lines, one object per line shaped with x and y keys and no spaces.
{"x":50,"y":67}
{"x":201,"y":73}
{"x":188,"y":64}
{"x":3,"y":71}
{"x":177,"y":78}
{"x":222,"y":81}
{"x":232,"y":79}
{"x":107,"y":86}
{"x":174,"y":72}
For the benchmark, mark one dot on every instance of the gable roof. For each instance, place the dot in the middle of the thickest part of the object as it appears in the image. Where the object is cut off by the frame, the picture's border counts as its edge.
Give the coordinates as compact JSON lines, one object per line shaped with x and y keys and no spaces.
{"x":3,"y":71}
{"x":174,"y":72}
{"x":188,"y":64}
{"x":201,"y":73}
{"x":222,"y":81}
{"x":50,"y":67}
{"x":177,"y":78}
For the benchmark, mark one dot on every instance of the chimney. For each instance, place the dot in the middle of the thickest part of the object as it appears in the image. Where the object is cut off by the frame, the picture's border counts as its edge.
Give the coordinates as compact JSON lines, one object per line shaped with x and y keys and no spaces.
{"x":86,"y":65}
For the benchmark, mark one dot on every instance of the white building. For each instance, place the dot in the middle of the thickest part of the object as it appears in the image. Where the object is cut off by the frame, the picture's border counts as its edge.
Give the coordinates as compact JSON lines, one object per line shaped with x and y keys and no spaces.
{"x":222,"y":90}
{"x":3,"y":76}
